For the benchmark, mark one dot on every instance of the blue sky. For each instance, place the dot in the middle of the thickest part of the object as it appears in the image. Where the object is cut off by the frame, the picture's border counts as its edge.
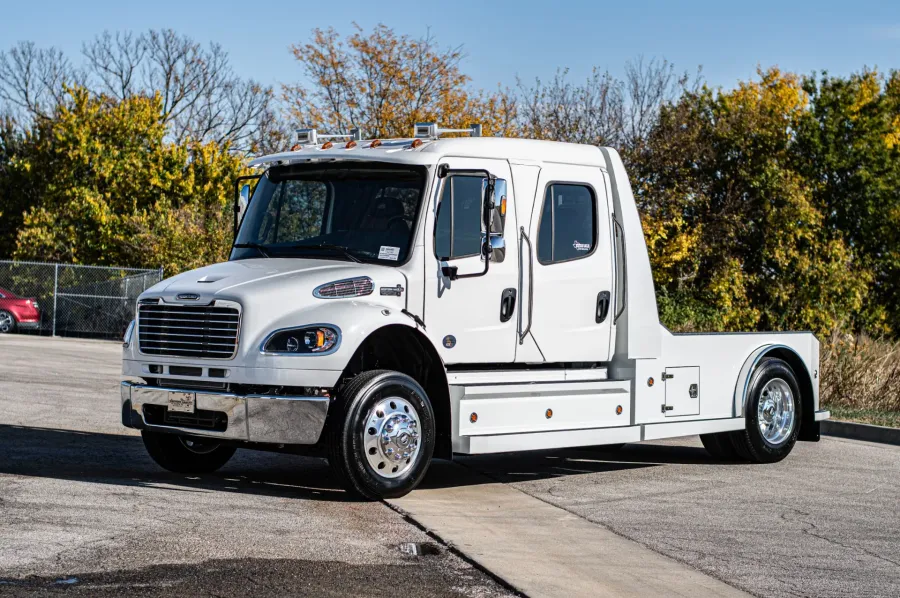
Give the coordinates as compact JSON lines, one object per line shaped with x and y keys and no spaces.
{"x":503,"y":39}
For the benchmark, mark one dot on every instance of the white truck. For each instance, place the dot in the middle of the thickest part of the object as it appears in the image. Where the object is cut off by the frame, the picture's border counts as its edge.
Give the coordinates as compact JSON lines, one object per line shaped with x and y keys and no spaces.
{"x":387,"y":302}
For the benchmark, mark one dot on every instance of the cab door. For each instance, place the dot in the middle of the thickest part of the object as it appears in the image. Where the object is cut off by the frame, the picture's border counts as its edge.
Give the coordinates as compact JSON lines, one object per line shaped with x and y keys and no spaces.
{"x":471,"y":320}
{"x":573,"y":305}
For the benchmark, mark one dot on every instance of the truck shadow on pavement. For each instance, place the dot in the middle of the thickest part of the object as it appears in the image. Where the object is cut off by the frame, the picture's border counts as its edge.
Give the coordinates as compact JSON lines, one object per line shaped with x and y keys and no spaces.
{"x":121,"y":460}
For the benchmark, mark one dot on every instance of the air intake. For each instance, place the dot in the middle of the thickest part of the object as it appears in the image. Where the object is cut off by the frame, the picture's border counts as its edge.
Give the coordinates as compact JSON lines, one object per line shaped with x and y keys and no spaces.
{"x":341,"y":289}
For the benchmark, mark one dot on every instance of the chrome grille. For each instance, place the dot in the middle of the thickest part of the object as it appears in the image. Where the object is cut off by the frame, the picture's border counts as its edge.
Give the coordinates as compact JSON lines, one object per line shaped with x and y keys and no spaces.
{"x":207,"y":331}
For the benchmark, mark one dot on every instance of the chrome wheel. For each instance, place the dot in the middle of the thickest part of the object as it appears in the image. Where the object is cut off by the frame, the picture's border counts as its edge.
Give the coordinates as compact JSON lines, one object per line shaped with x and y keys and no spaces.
{"x":391,"y":437}
{"x":6,"y":322}
{"x":776,"y":412}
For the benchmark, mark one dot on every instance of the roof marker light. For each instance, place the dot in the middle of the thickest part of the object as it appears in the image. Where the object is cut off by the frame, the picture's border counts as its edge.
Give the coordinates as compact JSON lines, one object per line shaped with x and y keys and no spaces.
{"x":433,"y":131}
{"x":307,"y":137}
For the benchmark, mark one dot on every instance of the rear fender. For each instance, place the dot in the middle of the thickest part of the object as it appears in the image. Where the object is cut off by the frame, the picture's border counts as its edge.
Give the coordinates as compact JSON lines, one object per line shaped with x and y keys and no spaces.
{"x":808,"y":425}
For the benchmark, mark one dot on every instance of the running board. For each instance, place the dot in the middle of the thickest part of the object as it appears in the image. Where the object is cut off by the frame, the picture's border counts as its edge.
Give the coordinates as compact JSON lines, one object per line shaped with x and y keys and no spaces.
{"x":502,"y":443}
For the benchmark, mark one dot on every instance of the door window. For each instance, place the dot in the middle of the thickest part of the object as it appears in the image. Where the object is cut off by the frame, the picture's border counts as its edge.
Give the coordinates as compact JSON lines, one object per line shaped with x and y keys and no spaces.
{"x":457,"y":230}
{"x":568,"y":227}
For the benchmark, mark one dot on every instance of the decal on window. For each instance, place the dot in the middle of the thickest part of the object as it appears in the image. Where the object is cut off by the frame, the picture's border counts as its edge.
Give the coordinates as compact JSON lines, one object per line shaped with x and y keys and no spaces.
{"x":388,"y":253}
{"x":581,"y":246}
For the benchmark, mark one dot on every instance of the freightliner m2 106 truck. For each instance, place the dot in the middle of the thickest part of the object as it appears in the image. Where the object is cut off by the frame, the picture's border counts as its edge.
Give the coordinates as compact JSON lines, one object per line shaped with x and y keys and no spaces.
{"x":387,"y":302}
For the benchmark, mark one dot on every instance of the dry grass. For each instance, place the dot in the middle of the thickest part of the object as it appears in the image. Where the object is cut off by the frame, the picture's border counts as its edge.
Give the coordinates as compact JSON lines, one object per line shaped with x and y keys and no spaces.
{"x":861,"y":379}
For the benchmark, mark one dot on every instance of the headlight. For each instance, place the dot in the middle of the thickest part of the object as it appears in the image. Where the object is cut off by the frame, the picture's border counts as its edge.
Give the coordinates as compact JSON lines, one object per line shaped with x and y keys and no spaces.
{"x":305,"y":340}
{"x":126,"y":342}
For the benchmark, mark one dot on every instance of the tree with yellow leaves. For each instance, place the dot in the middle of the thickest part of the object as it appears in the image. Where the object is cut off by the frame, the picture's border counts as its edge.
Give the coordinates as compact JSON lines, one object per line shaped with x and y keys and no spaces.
{"x":104,"y":186}
{"x":384,"y":83}
{"x":735,"y":230}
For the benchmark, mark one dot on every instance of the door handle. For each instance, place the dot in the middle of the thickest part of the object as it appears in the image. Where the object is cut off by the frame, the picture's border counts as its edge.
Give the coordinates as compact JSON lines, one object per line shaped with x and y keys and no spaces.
{"x":524,"y":239}
{"x":507,"y":304}
{"x":602,"y":306}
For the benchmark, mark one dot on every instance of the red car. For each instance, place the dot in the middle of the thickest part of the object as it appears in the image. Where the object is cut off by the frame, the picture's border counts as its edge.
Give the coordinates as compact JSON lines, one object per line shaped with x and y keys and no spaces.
{"x":18,"y":313}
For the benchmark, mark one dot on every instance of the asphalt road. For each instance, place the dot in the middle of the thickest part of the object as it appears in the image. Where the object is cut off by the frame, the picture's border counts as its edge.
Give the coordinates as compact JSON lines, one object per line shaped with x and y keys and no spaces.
{"x":84,"y":510}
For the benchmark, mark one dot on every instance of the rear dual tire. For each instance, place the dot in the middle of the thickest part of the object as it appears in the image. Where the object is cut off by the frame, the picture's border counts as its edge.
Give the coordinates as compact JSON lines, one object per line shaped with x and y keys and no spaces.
{"x":772,"y":414}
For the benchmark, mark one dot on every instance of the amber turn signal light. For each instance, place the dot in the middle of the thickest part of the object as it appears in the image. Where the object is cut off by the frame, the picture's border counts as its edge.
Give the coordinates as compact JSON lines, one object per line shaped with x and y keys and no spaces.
{"x":473,"y":418}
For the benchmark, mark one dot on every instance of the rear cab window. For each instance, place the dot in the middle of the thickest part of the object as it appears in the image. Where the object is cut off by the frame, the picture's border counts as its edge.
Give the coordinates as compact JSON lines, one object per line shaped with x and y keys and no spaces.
{"x":568,"y":227}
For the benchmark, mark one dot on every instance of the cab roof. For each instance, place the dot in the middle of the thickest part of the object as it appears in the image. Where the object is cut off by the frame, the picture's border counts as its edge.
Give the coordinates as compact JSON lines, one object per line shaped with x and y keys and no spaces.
{"x":430,"y":151}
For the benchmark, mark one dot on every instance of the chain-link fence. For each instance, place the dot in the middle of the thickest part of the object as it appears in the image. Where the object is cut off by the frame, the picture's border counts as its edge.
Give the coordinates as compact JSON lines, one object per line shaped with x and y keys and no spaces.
{"x":84,"y":301}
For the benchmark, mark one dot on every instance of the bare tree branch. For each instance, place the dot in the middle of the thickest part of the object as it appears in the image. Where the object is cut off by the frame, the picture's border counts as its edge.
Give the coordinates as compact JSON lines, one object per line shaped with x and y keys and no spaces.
{"x":202,"y":98}
{"x":32,"y":79}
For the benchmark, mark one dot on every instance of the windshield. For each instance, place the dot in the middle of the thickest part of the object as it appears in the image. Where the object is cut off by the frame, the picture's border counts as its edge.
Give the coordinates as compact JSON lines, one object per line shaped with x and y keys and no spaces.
{"x":359,"y":213}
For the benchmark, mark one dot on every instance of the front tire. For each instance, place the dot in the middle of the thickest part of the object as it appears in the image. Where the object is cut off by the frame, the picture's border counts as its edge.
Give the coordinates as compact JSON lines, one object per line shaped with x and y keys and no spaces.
{"x":186,"y":455}
{"x":382,"y":435}
{"x":772,"y":414}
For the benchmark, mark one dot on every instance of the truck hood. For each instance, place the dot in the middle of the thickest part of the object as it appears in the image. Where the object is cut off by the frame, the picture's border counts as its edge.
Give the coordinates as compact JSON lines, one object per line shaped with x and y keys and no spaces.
{"x":268,"y":280}
{"x":277,"y":293}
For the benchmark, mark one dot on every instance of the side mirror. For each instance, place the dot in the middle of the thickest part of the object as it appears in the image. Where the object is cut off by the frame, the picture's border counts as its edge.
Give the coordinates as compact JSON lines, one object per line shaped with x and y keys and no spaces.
{"x":494,"y":247}
{"x":243,"y":201}
{"x":498,"y":222}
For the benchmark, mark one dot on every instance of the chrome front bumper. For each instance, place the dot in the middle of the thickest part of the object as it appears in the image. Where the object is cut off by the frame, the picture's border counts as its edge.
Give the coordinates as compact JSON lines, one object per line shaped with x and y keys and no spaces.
{"x":252,"y":418}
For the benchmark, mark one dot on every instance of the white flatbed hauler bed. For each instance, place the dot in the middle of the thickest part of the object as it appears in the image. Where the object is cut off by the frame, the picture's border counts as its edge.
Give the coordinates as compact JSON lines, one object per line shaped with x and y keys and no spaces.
{"x":389,"y":302}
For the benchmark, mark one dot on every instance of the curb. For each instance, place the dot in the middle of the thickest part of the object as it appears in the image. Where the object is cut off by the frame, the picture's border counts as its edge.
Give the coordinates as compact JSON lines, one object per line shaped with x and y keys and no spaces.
{"x":865,"y":432}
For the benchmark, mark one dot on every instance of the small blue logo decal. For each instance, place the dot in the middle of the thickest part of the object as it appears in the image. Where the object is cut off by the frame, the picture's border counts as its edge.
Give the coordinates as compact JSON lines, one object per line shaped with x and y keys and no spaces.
{"x":449,"y":341}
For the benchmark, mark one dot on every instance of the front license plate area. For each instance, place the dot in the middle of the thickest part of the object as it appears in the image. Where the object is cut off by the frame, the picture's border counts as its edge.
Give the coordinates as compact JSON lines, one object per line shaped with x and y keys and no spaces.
{"x":182,"y":402}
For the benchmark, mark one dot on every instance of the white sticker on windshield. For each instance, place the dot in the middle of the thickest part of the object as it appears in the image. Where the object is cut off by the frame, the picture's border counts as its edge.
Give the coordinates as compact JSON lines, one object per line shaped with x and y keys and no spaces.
{"x":581,"y":246}
{"x":389,"y":253}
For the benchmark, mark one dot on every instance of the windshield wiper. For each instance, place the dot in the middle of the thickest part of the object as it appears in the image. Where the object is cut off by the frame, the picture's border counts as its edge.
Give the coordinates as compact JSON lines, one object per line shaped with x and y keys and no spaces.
{"x":341,"y":248}
{"x":256,"y":246}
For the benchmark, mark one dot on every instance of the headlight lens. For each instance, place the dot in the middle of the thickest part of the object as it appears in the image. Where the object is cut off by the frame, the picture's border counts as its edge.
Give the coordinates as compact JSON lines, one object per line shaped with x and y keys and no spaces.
{"x":306,"y":340}
{"x":129,"y":333}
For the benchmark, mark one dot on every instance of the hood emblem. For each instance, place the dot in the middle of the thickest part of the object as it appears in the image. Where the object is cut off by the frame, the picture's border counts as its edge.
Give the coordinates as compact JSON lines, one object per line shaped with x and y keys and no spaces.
{"x":392,"y":291}
{"x":187,"y":297}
